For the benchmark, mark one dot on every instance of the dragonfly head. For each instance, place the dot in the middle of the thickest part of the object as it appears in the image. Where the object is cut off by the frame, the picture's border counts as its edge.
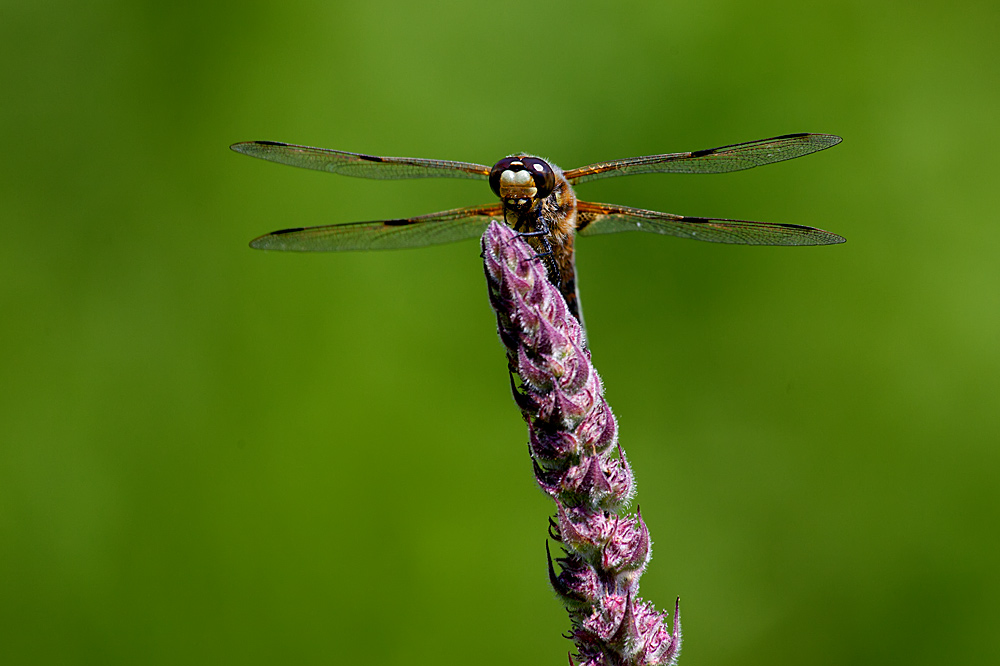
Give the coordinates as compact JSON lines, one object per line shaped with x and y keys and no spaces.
{"x":521,"y":180}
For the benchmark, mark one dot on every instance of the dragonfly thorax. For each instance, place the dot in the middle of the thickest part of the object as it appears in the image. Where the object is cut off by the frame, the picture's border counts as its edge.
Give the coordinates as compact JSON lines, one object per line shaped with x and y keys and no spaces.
{"x":520,"y":180}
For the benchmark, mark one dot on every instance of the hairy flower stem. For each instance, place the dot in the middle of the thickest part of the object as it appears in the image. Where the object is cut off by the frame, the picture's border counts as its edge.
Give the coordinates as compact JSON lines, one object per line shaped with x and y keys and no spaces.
{"x":572,"y":441}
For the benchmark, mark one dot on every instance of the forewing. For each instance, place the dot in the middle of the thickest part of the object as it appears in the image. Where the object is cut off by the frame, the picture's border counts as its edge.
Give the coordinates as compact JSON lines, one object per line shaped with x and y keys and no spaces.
{"x":712,"y":160}
{"x":595,"y":218}
{"x":433,"y":229}
{"x":357,"y":164}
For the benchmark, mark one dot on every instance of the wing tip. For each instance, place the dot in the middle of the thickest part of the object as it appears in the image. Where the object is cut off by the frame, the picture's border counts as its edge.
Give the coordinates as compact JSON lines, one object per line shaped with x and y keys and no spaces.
{"x":830,"y":140}
{"x":813,"y":236}
{"x":272,"y":241}
{"x":819,"y":236}
{"x":260,"y":243}
{"x":251,"y":147}
{"x":797,"y":135}
{"x":825,"y":140}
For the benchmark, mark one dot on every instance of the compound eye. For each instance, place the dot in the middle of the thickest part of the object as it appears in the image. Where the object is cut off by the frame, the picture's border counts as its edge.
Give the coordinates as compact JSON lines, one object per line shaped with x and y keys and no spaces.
{"x":541,"y":172}
{"x":506,"y":164}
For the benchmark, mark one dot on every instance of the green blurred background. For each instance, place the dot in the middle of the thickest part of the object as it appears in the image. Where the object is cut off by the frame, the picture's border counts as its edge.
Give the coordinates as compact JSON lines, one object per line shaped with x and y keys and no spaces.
{"x":216,"y":455}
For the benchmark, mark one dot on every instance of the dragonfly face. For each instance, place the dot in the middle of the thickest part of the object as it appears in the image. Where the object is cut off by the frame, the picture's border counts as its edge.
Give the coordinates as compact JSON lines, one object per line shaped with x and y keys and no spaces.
{"x":519,"y":180}
{"x":537,"y":199}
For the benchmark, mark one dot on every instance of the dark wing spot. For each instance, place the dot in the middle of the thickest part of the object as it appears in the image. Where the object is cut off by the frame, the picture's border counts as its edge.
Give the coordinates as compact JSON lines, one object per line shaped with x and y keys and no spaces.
{"x":709,"y":151}
{"x":398,"y":223}
{"x":270,"y":143}
{"x":371,"y":158}
{"x":583,"y":220}
{"x":286,"y":231}
{"x":698,"y":220}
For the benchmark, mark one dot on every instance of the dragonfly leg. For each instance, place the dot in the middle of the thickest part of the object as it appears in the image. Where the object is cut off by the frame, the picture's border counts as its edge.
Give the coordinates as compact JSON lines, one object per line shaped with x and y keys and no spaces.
{"x":542,"y":234}
{"x":555,"y":276}
{"x":533,"y":234}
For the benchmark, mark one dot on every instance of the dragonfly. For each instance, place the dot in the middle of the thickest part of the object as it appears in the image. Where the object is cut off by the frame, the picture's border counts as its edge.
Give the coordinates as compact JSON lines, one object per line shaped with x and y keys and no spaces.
{"x":536,"y":199}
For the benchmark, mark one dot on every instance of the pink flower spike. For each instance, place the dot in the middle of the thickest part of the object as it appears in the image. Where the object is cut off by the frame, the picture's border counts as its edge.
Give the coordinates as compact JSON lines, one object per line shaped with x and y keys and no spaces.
{"x":573,"y":441}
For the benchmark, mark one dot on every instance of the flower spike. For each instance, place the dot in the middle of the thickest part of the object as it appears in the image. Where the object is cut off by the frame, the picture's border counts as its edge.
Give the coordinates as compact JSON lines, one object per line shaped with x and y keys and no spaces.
{"x":573,"y":439}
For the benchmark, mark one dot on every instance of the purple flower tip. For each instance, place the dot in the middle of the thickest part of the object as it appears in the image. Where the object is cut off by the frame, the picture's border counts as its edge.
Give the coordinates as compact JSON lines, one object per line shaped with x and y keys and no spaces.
{"x":573,"y":437}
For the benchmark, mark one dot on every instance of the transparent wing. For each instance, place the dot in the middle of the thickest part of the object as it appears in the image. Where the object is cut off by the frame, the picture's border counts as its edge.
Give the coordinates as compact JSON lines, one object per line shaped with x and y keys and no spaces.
{"x":433,"y":229}
{"x":357,"y":164}
{"x":712,"y":160}
{"x":595,"y":218}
